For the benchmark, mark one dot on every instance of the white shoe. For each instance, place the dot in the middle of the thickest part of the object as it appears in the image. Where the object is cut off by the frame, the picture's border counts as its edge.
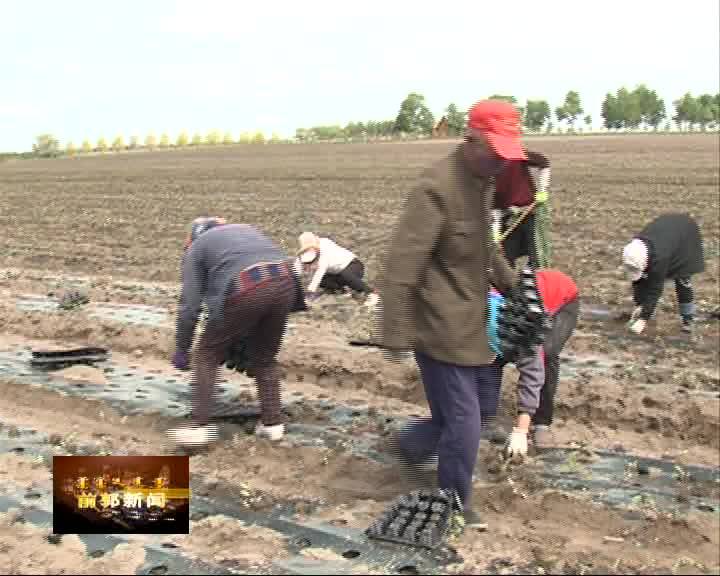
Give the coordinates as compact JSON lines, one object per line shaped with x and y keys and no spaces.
{"x":194,"y":435}
{"x":372,"y":300}
{"x":273,"y":433}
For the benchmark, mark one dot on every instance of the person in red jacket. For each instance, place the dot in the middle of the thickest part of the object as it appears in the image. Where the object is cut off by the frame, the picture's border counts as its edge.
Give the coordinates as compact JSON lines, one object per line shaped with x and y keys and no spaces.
{"x":561,"y":300}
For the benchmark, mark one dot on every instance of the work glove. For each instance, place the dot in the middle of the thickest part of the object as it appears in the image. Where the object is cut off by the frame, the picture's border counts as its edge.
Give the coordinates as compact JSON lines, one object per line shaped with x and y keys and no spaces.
{"x":181,"y":360}
{"x":517,"y":444}
{"x":541,"y":196}
{"x":543,"y":183}
{"x":637,"y":326}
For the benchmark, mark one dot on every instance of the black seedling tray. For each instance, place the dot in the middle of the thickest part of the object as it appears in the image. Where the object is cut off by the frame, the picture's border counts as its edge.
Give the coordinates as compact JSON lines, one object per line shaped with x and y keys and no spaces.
{"x":72,"y":356}
{"x":421,"y":519}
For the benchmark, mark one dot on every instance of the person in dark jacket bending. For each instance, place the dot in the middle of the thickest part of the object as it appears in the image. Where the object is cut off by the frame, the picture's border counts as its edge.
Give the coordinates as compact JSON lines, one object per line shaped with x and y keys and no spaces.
{"x":669,"y":247}
{"x":250,"y":287}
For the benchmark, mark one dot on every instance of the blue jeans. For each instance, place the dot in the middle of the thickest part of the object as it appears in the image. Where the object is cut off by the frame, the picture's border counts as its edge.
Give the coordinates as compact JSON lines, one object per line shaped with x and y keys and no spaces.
{"x":458,"y":396}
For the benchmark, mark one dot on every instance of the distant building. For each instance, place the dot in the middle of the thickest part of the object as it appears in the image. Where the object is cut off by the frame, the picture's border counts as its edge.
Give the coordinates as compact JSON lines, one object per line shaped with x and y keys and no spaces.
{"x":441,"y":128}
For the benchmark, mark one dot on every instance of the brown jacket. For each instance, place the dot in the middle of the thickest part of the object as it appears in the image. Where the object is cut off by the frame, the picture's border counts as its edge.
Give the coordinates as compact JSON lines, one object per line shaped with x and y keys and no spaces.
{"x":439,"y":266}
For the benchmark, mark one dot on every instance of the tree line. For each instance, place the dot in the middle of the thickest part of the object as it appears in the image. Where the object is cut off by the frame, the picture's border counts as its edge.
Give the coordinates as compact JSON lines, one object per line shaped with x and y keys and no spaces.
{"x":623,"y":110}
{"x":46,"y":145}
{"x":640,"y":108}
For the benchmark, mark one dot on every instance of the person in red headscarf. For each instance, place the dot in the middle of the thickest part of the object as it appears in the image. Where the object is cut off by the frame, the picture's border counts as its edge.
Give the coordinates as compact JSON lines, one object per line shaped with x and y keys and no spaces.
{"x":515,"y":191}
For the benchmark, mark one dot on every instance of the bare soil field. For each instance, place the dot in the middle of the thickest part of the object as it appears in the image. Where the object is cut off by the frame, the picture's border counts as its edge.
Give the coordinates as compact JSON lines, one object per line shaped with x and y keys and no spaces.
{"x":114,"y":226}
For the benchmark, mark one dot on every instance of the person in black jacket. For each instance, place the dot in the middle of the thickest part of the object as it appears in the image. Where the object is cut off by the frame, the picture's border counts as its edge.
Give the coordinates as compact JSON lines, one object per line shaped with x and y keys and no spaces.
{"x":669,"y":247}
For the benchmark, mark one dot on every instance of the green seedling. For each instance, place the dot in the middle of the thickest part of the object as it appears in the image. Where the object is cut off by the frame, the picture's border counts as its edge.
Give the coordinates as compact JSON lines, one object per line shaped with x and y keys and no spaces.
{"x":457,"y":525}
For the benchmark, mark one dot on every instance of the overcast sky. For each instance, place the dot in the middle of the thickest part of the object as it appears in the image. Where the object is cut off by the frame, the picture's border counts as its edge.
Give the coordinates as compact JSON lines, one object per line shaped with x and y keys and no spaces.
{"x":81,"y":69}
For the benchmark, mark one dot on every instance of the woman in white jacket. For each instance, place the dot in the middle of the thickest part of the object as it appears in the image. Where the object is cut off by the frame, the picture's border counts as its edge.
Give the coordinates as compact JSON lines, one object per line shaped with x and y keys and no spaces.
{"x":336,"y":267}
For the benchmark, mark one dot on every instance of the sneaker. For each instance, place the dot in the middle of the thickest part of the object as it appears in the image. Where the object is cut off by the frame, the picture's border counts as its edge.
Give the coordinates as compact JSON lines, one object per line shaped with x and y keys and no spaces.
{"x":372,"y":300}
{"x":543,"y":437}
{"x":687,"y":326}
{"x":194,"y":435}
{"x":272,"y":433}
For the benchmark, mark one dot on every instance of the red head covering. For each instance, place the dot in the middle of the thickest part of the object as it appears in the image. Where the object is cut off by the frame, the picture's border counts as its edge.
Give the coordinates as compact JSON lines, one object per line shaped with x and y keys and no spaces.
{"x":499,"y":121}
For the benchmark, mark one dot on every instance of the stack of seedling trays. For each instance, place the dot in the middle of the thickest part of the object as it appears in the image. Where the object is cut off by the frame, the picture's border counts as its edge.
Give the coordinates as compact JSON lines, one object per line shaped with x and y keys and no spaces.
{"x":421,"y":518}
{"x":523,"y":322}
{"x":53,"y":359}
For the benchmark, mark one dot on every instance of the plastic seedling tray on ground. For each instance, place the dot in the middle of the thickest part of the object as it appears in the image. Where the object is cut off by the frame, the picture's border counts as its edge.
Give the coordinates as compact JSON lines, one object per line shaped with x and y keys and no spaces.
{"x":421,"y":519}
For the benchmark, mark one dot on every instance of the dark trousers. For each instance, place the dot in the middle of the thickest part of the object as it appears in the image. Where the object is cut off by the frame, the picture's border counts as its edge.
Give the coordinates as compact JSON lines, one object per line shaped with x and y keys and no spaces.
{"x":521,"y":242}
{"x":454,"y":394}
{"x":564,"y":323}
{"x":351,"y":276}
{"x":260,"y":316}
{"x":684,"y":292}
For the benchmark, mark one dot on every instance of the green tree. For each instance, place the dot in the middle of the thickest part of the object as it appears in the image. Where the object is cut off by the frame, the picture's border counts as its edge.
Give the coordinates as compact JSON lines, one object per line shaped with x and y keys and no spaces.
{"x":705,"y":111}
{"x":651,"y":108}
{"x":686,"y":111}
{"x":611,"y":113}
{"x":456,"y":120}
{"x":588,"y":121}
{"x":46,"y":146}
{"x":549,"y":127}
{"x":101,"y":145}
{"x":259,"y":138}
{"x":213,"y":138}
{"x":228,"y":139}
{"x":629,"y":106}
{"x":327,"y":132}
{"x":164,"y":140}
{"x":182,"y":139}
{"x":196,"y":139}
{"x":275,"y":138}
{"x":302,"y":135}
{"x":386,"y":127}
{"x":537,"y":112}
{"x":134,"y":142}
{"x":118,"y":144}
{"x":414,"y":116}
{"x":561,"y":114}
{"x":150,"y":141}
{"x":572,"y":108}
{"x":245,"y":138}
{"x":86,"y":147}
{"x":70,"y":149}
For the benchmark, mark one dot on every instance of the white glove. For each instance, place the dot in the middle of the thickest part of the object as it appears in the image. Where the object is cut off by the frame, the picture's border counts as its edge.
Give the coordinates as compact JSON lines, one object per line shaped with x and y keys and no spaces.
{"x":543,"y":180}
{"x":517,"y":443}
{"x":638,"y":326}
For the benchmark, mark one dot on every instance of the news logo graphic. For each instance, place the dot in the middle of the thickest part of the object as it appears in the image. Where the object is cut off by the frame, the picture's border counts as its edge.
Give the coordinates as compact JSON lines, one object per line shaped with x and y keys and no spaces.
{"x":121,"y":494}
